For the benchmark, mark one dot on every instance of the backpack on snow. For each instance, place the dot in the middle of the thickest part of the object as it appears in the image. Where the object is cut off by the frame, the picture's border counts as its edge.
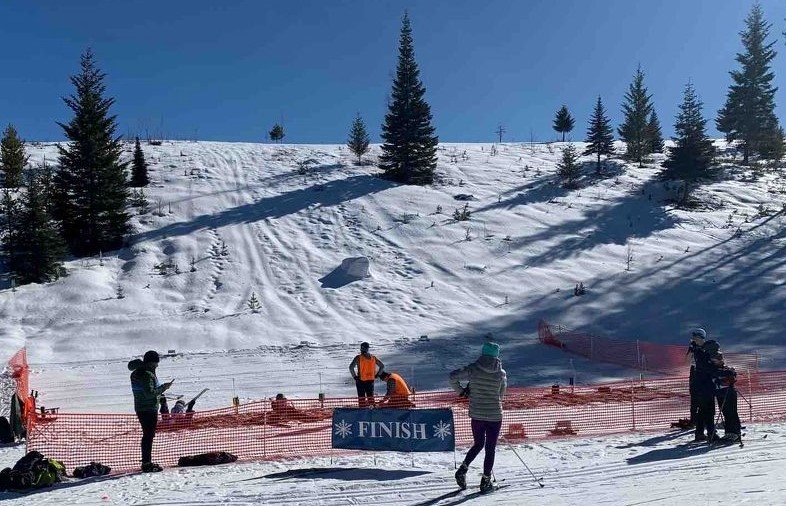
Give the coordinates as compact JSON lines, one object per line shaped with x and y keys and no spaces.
{"x":92,"y":469}
{"x":6,"y":436}
{"x":35,"y":470}
{"x":206,"y":459}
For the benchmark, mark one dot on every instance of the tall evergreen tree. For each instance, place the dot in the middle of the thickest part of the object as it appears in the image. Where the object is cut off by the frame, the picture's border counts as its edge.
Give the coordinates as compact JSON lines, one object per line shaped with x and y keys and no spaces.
{"x":12,"y":158}
{"x":409,"y":151}
{"x":568,"y":169}
{"x":45,"y":176}
{"x":691,"y":157}
{"x":655,"y":134}
{"x":276,"y":133}
{"x":39,"y":249}
{"x":563,"y":122}
{"x":634,"y":129}
{"x":358,"y":138}
{"x":139,"y":167}
{"x":748,"y":115}
{"x":774,"y":145}
{"x":11,"y":214}
{"x":600,"y":136}
{"x":90,"y":190}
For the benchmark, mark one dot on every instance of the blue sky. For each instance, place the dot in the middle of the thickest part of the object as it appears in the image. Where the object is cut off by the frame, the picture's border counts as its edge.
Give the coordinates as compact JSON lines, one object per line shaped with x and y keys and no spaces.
{"x":229,"y":70}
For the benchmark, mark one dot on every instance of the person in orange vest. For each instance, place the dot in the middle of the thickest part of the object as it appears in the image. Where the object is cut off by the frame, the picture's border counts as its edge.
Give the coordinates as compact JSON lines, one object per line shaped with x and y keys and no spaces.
{"x":364,"y":369}
{"x":398,"y":392}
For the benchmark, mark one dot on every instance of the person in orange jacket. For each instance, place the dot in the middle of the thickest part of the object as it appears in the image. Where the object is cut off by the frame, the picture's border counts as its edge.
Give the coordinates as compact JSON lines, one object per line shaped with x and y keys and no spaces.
{"x":364,"y":368}
{"x":398,"y":391}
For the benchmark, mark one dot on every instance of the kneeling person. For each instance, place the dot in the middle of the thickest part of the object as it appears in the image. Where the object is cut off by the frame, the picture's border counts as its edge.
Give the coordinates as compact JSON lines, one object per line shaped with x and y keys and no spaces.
{"x":398,"y":392}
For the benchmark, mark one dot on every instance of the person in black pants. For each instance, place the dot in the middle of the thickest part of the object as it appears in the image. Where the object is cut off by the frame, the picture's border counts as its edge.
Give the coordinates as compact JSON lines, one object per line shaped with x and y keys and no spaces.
{"x":146,"y":390}
{"x":704,"y":389}
{"x":726,"y":395}
{"x":364,"y":369}
{"x":697,"y":337}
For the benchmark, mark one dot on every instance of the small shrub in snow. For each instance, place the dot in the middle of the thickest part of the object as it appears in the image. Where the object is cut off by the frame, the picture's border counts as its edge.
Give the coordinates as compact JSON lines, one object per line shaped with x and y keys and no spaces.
{"x":253,"y":303}
{"x":462,"y":214}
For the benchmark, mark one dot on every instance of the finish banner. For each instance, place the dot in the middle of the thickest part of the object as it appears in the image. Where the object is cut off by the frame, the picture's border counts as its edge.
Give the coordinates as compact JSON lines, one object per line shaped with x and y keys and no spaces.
{"x":400,"y":430}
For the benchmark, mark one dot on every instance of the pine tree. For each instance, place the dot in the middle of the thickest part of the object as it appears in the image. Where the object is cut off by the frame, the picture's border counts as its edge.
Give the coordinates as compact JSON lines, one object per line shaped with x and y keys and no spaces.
{"x":568,"y":169}
{"x":90,"y":190}
{"x":634,"y":129}
{"x":45,"y":179}
{"x":563,"y":121}
{"x":409,"y":151}
{"x":749,"y":113}
{"x":139,"y":167}
{"x":773,"y":147}
{"x":600,"y":138}
{"x":655,"y":134}
{"x":276,"y":133}
{"x":691,"y":157}
{"x":11,"y":214}
{"x":358,"y":138}
{"x":39,"y":249}
{"x":12,"y":158}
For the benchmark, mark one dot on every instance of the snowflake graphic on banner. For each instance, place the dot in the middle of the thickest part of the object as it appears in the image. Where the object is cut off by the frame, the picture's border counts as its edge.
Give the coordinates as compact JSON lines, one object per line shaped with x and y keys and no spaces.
{"x":343,"y":429}
{"x":442,"y":430}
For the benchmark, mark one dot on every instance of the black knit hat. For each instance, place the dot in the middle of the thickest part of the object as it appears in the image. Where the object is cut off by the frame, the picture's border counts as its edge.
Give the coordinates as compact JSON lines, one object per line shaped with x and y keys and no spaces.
{"x":151,"y":356}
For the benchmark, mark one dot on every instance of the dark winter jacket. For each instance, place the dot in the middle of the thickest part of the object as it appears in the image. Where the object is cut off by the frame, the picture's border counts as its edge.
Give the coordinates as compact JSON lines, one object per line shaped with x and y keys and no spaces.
{"x":487,"y":384}
{"x":724,"y":377}
{"x":703,"y":384}
{"x":145,"y":386}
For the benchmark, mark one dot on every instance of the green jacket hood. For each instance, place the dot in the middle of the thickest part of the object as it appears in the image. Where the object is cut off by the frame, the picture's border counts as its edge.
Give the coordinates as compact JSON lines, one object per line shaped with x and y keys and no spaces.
{"x":135,"y":364}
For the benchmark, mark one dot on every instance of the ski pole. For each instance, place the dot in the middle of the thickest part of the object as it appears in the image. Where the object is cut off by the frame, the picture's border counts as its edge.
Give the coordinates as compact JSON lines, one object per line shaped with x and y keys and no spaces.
{"x":720,"y":412}
{"x":537,"y":480}
{"x":744,"y":399}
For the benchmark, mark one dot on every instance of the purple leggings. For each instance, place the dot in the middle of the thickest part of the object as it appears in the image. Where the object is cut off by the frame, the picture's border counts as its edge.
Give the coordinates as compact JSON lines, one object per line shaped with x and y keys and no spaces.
{"x":484,"y":433}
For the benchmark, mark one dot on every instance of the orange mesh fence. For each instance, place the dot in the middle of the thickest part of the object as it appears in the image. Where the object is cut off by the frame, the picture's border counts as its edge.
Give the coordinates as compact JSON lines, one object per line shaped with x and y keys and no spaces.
{"x":640,"y":355}
{"x":20,"y":371}
{"x":254,"y":431}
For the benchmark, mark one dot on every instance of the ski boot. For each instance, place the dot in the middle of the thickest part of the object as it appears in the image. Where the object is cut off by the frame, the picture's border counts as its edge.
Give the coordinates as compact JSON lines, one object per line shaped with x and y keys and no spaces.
{"x":486,"y":485}
{"x":461,"y":476}
{"x":150,"y":467}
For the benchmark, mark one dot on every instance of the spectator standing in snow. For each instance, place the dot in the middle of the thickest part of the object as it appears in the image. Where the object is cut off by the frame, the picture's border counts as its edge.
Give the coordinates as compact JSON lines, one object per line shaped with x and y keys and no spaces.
{"x":726,"y":395}
{"x":147,"y":390}
{"x":364,"y":369}
{"x":697,"y":337}
{"x":398,"y":392}
{"x":486,"y":384}
{"x":704,"y":390}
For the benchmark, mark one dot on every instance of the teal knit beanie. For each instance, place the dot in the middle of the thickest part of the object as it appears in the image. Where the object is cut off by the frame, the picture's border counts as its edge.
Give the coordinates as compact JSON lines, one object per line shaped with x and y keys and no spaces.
{"x":490,"y":349}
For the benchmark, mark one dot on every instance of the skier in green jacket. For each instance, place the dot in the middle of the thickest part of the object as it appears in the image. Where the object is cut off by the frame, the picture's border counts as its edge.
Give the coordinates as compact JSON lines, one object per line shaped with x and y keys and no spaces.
{"x":146,"y":390}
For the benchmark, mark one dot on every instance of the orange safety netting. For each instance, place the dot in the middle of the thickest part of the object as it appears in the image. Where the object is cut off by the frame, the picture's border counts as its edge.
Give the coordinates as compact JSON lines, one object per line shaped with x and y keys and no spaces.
{"x":20,"y":371}
{"x":641,"y":355}
{"x":254,"y":431}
